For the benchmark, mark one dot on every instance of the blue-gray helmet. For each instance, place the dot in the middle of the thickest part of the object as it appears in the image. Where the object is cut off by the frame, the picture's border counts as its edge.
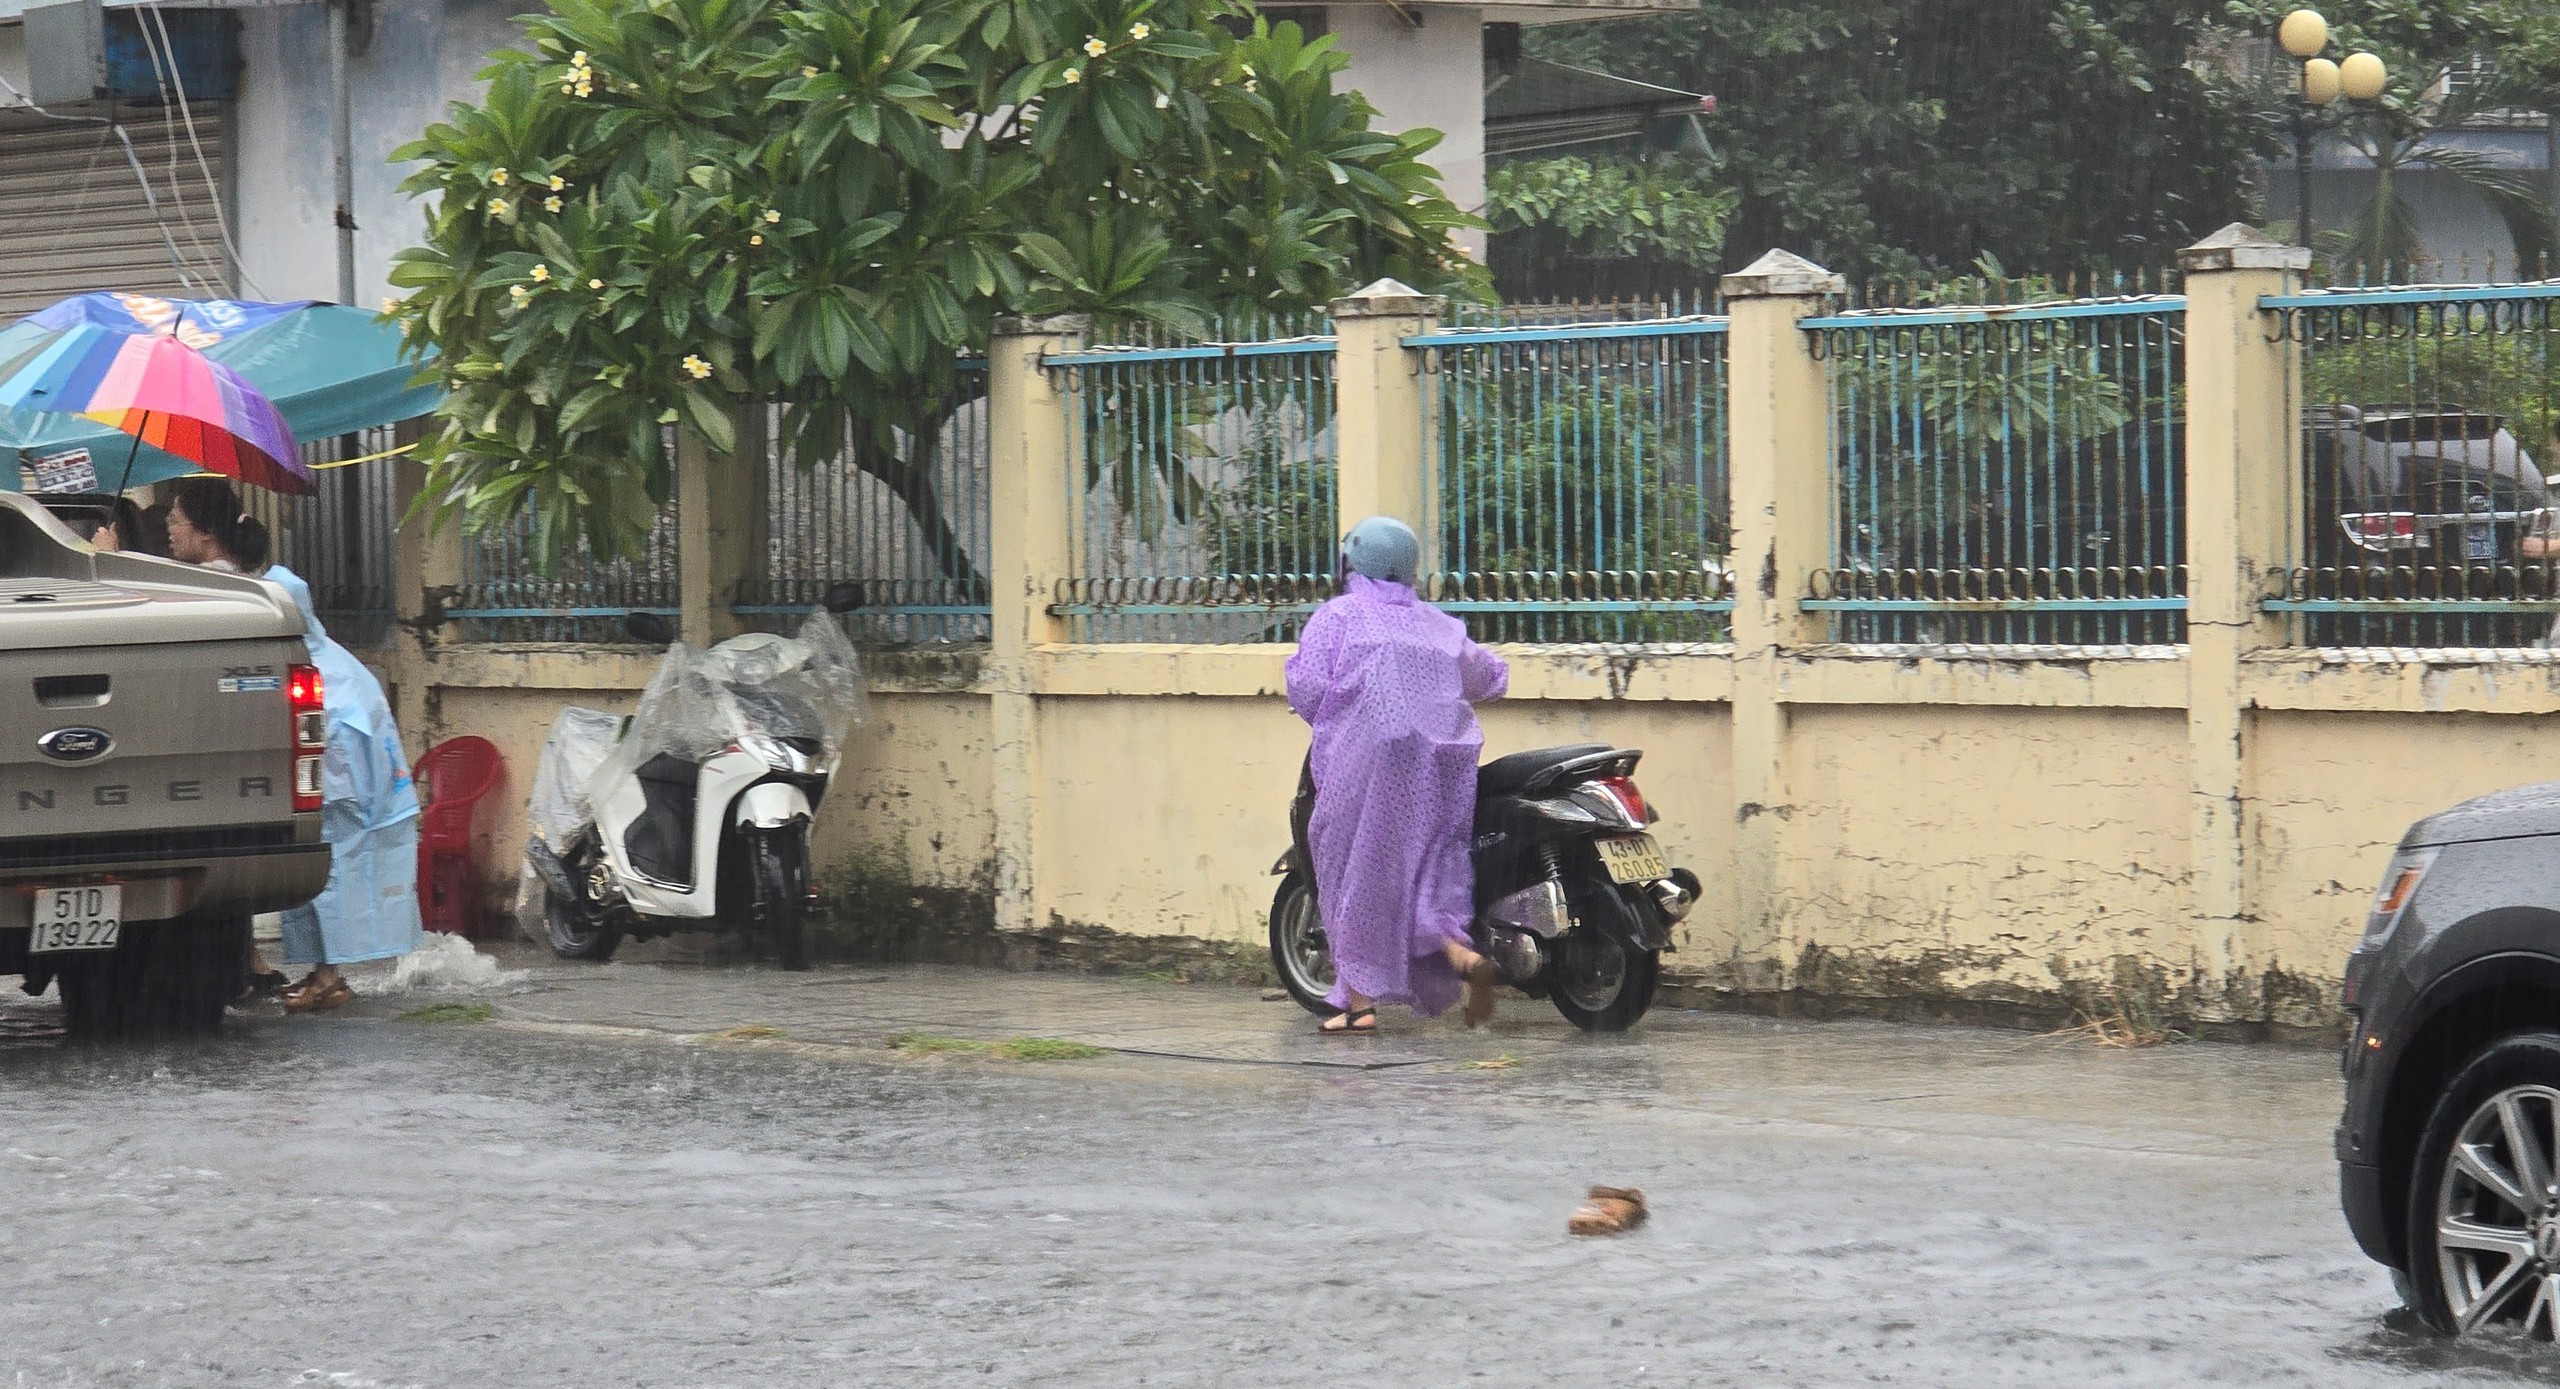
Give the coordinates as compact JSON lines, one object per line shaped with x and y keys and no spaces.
{"x":1385,"y":549}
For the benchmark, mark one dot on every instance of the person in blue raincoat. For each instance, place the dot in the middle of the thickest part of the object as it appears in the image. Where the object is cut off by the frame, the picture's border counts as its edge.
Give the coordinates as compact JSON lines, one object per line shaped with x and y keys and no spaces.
{"x":369,"y":816}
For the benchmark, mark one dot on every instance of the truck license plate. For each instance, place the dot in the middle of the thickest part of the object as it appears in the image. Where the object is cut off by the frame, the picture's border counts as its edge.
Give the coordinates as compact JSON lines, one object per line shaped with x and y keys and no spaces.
{"x":1634,"y":858}
{"x":2480,"y":542}
{"x":76,"y":918}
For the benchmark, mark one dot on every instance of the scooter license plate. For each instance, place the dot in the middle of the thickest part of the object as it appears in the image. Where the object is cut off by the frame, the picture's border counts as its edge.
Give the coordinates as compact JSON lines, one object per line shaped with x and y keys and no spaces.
{"x":1634,"y":858}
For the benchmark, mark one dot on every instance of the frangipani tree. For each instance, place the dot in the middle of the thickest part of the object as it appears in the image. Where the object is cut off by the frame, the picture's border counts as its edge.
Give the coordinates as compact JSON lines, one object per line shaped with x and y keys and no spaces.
{"x":673,"y":209}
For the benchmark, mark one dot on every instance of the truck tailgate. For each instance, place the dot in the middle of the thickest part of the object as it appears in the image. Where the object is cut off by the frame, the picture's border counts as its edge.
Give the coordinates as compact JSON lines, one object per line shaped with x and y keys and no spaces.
{"x":174,"y":742}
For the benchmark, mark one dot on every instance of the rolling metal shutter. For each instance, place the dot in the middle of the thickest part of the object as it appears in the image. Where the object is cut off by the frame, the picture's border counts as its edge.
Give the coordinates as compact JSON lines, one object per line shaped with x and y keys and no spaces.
{"x":73,"y":217}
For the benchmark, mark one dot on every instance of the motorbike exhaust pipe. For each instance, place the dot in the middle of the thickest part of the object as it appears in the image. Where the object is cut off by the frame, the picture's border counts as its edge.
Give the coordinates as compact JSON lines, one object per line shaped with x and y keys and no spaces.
{"x":1678,"y":894}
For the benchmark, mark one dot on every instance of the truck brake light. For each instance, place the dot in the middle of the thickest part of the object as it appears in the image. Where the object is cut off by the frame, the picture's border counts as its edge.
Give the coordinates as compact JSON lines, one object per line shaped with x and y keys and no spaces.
{"x":310,"y":734}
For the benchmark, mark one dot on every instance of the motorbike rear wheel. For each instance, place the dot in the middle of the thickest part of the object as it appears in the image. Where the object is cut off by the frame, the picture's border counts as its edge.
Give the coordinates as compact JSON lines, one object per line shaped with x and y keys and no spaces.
{"x":1299,"y":953}
{"x":577,"y":932}
{"x":1599,"y":984}
{"x":779,"y":861}
{"x":579,"y":929}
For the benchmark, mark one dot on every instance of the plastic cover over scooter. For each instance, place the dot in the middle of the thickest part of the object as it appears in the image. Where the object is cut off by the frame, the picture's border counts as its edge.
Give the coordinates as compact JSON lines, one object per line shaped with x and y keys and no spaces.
{"x":580,"y":741}
{"x":805,"y":692}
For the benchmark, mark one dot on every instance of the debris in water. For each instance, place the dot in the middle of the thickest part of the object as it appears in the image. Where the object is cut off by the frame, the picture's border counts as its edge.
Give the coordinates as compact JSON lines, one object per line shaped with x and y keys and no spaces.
{"x":751,"y":1032}
{"x":2117,"y":1031}
{"x":1018,"y":1049}
{"x":1504,"y":1062}
{"x":1275,"y":995}
{"x":1611,"y":1210}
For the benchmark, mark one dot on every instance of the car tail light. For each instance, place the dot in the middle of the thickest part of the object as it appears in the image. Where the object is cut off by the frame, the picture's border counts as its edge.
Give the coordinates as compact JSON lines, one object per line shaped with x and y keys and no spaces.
{"x":2382,"y":530}
{"x":1623,"y":791}
{"x":310,"y":734}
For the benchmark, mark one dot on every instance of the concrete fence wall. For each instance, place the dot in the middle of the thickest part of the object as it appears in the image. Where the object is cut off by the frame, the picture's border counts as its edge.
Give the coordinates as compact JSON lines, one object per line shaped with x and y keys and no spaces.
{"x":1989,"y":831}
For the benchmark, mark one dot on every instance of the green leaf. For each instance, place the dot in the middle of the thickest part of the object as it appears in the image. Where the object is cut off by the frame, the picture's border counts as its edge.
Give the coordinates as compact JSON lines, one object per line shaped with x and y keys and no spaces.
{"x":710,"y":419}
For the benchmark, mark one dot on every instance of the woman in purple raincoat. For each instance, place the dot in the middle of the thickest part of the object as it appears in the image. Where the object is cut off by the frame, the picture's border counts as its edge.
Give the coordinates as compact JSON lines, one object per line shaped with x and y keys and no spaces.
{"x":1388,"y":683}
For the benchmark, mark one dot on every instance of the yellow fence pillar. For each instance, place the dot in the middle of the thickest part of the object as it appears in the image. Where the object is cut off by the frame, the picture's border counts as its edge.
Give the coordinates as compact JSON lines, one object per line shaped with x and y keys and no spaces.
{"x":720,"y":527}
{"x":426,"y":583}
{"x":2244,"y":448}
{"x":1778,"y":426}
{"x":1032,"y":491}
{"x":1382,"y":415}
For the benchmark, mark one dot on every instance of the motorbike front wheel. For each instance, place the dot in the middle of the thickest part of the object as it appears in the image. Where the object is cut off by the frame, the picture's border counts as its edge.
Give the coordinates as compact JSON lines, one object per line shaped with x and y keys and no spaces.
{"x":1599,"y":984}
{"x":780,"y":862}
{"x":578,"y":933}
{"x":1299,"y":953}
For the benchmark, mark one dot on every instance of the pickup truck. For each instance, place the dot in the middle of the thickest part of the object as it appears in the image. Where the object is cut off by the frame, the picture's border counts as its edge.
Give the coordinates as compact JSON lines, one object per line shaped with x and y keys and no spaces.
{"x":161,"y":739}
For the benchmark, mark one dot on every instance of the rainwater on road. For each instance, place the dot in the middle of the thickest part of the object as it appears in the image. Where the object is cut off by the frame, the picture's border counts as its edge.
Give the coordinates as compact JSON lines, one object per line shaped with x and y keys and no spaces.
{"x":669,"y":1176}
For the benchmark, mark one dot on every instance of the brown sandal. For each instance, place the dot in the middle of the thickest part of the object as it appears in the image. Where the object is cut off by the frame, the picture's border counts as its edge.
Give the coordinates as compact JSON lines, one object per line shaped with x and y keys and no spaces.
{"x":320,"y":1000}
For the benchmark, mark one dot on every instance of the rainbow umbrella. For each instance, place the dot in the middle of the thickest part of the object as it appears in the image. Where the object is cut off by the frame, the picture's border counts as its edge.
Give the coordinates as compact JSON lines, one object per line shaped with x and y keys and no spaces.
{"x":163,"y":393}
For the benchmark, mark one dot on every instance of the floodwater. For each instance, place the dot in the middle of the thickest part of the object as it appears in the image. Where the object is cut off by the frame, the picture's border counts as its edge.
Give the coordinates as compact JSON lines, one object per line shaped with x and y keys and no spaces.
{"x":587,"y":1191}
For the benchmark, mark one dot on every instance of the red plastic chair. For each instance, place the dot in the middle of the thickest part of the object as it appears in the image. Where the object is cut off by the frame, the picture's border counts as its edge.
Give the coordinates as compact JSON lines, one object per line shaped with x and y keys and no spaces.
{"x":453,"y":777}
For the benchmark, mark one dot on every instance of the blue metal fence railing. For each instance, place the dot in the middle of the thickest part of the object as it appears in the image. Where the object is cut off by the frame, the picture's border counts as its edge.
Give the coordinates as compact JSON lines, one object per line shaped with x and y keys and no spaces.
{"x":2422,"y":514}
{"x":1582,"y":480}
{"x":2007,"y":475}
{"x":339,"y":538}
{"x":910,"y":528}
{"x":1204,"y":484}
{"x":505,"y":597}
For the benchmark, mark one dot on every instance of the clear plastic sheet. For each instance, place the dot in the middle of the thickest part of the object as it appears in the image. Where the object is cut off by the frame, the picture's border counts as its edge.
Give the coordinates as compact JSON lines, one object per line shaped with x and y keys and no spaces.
{"x":579,"y":742}
{"x":805,"y":690}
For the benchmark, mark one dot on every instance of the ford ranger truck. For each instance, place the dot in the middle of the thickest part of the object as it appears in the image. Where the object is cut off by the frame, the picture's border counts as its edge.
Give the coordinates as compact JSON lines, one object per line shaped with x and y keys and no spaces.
{"x":161,"y":738}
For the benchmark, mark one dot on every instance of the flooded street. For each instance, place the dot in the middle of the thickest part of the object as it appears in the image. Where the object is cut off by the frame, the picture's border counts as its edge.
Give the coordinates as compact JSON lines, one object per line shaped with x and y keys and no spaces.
{"x":657,"y":1175}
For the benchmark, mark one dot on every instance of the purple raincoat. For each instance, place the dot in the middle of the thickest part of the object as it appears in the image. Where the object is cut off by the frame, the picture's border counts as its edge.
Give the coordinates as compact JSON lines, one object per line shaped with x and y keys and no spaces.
{"x":1386,"y":681}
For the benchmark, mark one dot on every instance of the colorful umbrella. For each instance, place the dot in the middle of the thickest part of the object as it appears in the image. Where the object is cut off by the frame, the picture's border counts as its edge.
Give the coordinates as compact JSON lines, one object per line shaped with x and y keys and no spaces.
{"x":163,"y":393}
{"x":329,"y":369}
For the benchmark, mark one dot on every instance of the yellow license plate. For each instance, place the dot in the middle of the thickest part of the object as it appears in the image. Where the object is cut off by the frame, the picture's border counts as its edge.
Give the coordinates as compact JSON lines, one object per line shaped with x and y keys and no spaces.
{"x":1634,"y":858}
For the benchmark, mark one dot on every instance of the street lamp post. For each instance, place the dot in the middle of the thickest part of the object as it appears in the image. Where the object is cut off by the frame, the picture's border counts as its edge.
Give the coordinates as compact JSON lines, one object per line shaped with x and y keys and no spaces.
{"x":2304,"y":34}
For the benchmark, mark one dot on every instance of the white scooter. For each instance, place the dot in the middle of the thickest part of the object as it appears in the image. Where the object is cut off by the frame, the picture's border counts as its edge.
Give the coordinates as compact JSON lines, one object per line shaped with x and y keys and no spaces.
{"x":698,"y":814}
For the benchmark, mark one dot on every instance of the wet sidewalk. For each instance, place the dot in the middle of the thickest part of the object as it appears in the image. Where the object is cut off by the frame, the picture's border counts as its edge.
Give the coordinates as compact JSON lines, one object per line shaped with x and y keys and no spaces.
{"x":653,"y":1174}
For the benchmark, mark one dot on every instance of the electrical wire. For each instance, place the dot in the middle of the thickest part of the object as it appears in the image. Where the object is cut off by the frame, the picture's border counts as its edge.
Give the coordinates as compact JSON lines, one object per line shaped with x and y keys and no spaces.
{"x":212,"y":186}
{"x":151,"y":199}
{"x":177,"y":186}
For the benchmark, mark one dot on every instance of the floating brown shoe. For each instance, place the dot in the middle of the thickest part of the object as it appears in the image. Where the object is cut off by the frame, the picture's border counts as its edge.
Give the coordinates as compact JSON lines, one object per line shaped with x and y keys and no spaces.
{"x":1611,"y":1210}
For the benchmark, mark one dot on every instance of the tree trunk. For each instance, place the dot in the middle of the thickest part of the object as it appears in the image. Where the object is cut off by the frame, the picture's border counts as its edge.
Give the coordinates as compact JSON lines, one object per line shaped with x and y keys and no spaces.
{"x":910,"y":479}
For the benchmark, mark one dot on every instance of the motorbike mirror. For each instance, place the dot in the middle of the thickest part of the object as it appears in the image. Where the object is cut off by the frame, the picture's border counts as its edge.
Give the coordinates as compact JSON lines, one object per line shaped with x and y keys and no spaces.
{"x":650,"y":629}
{"x":844,"y":598}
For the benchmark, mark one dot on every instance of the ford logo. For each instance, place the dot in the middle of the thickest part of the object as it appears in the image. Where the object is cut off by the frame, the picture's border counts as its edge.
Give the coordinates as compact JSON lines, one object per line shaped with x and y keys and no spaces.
{"x":76,"y":744}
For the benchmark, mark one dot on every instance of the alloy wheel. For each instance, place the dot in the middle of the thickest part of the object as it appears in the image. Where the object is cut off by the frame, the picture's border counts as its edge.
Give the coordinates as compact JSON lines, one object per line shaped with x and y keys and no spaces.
{"x":1594,"y":970}
{"x":2498,"y":1214}
{"x":1305,"y":953}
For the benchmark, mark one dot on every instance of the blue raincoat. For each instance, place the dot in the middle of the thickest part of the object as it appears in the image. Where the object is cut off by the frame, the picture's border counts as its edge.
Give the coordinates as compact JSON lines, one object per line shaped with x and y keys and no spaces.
{"x":368,"y":814}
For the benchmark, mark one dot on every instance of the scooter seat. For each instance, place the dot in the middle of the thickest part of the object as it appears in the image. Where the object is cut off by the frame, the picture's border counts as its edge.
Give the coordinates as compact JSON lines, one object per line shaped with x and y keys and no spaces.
{"x":1507,"y":774}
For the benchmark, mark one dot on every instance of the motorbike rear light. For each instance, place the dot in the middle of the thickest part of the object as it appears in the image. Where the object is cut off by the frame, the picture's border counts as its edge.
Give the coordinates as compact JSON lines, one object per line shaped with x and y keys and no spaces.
{"x":310,"y":724}
{"x":1623,"y":791}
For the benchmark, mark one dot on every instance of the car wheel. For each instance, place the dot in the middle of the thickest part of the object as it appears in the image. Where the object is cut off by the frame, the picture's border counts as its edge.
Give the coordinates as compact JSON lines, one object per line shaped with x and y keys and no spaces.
{"x":162,"y":978}
{"x":2484,"y":1200}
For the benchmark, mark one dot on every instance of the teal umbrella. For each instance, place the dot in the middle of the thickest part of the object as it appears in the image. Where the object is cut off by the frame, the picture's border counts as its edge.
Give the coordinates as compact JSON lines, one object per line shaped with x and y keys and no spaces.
{"x":327,"y":368}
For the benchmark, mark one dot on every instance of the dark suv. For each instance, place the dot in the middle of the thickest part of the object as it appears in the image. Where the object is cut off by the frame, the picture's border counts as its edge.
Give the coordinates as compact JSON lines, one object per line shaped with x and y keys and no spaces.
{"x":2449,"y":1150}
{"x":2421,"y":502}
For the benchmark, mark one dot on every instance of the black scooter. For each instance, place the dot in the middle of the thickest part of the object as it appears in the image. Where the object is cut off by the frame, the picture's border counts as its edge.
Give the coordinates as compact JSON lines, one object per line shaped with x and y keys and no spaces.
{"x":1574,"y":901}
